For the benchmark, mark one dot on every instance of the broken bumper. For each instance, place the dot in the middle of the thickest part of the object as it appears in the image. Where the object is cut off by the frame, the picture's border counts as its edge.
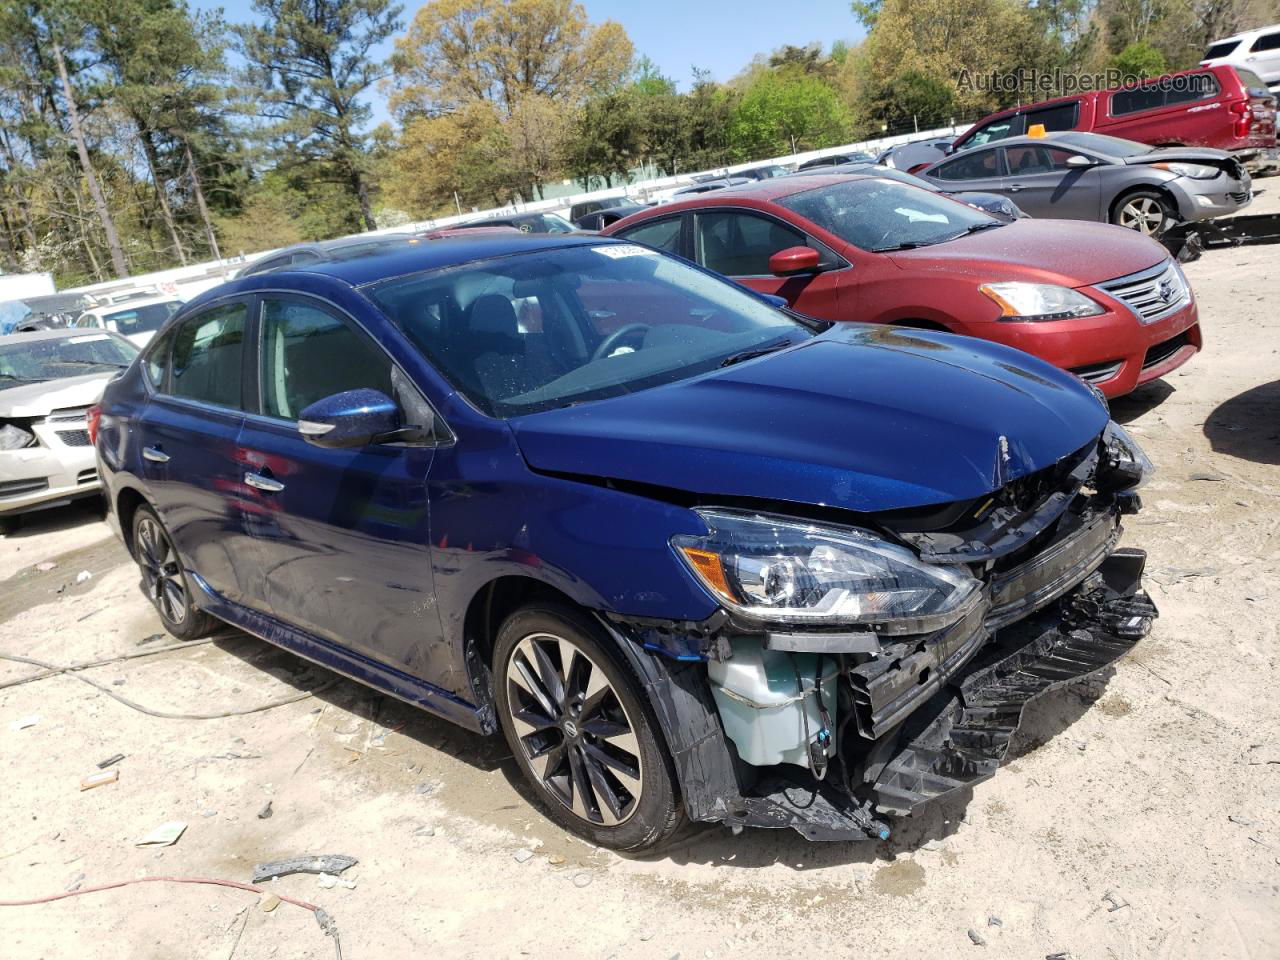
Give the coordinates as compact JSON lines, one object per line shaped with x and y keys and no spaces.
{"x":955,"y":738}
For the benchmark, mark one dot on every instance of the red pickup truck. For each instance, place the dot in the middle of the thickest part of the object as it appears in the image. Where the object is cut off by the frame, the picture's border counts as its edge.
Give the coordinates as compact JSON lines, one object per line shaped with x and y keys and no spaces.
{"x":1223,"y":107}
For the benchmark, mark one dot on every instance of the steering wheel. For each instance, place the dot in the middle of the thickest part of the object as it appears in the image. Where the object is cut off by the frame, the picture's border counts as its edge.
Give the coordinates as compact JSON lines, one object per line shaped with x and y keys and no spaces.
{"x":609,"y":343}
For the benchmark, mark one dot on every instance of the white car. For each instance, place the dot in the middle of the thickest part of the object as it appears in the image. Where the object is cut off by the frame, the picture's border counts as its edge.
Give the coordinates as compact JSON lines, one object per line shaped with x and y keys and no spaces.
{"x":1255,"y":50}
{"x":136,"y":320}
{"x":48,"y":381}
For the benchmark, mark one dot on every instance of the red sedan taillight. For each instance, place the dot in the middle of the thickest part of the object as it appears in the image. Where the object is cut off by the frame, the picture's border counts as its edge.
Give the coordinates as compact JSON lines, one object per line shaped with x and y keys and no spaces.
{"x":91,"y":419}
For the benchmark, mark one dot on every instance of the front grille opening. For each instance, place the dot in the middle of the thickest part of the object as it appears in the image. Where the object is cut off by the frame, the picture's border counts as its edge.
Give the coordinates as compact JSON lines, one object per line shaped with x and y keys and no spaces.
{"x":17,"y":488}
{"x":1152,"y":294}
{"x":1098,"y":372}
{"x":1163,"y":351}
{"x":87,"y":476}
{"x":74,"y":438}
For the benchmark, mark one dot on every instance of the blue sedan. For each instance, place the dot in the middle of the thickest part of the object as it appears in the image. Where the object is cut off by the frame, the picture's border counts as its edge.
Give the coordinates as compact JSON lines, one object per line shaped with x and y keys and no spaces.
{"x":695,"y":556}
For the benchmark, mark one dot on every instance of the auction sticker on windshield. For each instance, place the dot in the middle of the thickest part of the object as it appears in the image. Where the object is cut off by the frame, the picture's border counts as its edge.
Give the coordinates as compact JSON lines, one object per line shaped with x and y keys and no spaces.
{"x":617,"y":252}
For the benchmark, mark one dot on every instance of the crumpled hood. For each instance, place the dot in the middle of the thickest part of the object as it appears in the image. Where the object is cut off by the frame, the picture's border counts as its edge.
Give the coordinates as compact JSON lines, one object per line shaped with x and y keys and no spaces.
{"x":1217,"y":158}
{"x":38,"y":399}
{"x":866,"y":418}
{"x":1070,"y":253}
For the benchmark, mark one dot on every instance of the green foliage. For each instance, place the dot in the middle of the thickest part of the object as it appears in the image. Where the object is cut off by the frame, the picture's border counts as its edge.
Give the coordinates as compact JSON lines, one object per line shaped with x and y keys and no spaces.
{"x":785,"y":111}
{"x":1140,"y":59}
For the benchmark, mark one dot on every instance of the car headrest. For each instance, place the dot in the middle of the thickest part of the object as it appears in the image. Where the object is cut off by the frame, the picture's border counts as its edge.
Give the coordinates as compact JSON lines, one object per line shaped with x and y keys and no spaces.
{"x":493,"y":314}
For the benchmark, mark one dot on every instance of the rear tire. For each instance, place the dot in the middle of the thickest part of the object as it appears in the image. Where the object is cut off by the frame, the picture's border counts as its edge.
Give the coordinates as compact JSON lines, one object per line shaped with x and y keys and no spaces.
{"x":1148,"y":212}
{"x":164,"y":581}
{"x":10,"y":524}
{"x":583,"y":735}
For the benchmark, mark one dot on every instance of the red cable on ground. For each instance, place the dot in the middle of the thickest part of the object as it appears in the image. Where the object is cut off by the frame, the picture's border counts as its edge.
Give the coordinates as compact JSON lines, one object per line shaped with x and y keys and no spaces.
{"x":322,"y":918}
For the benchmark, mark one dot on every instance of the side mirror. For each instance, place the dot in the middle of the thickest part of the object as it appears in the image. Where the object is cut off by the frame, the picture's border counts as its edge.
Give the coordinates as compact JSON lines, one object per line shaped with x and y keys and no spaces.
{"x":353,"y":418}
{"x":793,"y":260}
{"x":1076,"y":160}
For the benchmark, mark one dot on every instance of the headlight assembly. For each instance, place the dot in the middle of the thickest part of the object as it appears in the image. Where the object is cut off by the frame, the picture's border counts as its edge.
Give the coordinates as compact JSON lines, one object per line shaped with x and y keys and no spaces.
{"x":1194,"y":171}
{"x":1125,"y":466}
{"x":787,"y":571}
{"x":1040,"y":301}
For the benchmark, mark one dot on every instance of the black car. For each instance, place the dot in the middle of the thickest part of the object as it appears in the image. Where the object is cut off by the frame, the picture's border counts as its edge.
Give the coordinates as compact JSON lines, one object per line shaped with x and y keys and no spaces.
{"x":524,"y":222}
{"x":837,"y":159}
{"x":308,"y":253}
{"x":586,"y":207}
{"x":600,"y":219}
{"x":765,"y":172}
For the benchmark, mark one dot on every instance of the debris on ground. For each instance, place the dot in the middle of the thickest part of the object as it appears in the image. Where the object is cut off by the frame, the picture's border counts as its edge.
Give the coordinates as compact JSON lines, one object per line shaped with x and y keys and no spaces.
{"x":978,"y":939}
{"x":164,"y":835}
{"x":1243,"y":821}
{"x":265,"y":812}
{"x":522,"y":855}
{"x":1114,"y":901}
{"x":268,"y":902}
{"x":328,"y":881}
{"x":994,"y":921}
{"x":76,"y":884}
{"x":582,"y":880}
{"x":425,"y":832}
{"x":23,"y":722}
{"x":333,"y":863}
{"x":110,"y":761}
{"x":84,"y":576}
{"x":45,"y":566}
{"x":426,"y":788}
{"x":99,"y":779}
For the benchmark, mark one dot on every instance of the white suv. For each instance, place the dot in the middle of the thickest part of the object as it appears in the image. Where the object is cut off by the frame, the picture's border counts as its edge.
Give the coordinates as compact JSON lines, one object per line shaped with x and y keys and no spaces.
{"x":1255,"y":50}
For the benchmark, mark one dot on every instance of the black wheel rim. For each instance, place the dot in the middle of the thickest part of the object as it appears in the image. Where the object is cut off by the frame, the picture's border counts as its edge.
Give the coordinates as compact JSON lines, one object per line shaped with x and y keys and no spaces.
{"x":161,"y":572}
{"x":574,"y":731}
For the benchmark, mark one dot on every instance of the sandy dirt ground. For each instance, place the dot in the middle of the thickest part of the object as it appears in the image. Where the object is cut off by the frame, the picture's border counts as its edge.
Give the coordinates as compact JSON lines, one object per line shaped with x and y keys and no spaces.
{"x":1164,"y":794}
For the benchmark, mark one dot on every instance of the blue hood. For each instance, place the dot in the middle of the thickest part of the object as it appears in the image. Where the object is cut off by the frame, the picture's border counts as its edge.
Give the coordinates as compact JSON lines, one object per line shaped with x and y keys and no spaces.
{"x":866,"y":418}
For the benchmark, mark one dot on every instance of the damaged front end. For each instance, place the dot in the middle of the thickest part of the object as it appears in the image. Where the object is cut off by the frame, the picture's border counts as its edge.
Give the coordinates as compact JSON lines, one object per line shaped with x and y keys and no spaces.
{"x":856,"y":674}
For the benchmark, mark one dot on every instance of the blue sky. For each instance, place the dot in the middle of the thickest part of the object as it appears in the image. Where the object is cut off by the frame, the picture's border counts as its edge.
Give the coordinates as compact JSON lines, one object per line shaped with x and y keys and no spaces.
{"x":677,"y":35}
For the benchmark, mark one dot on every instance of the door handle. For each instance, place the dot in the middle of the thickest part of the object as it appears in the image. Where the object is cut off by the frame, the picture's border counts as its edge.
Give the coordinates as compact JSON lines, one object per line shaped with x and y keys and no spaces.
{"x":263,"y":483}
{"x":155,"y":455}
{"x":1014,"y":187}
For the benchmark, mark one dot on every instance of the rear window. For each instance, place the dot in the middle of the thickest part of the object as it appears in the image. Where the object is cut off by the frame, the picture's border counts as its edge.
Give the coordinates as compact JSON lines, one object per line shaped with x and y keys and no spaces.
{"x":1252,"y":82}
{"x":1221,"y":49}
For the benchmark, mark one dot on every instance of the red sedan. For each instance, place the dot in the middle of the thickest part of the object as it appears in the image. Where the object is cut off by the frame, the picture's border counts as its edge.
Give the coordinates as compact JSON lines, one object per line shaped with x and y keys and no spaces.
{"x":1103,"y":302}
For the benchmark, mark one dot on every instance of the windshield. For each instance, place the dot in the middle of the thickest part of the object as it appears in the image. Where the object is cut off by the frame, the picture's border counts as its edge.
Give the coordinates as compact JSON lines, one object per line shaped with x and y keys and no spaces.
{"x":1111,"y":146}
{"x":535,"y":331}
{"x":142,"y":319}
{"x":889,"y":173}
{"x":31,"y":361}
{"x":881,"y":215}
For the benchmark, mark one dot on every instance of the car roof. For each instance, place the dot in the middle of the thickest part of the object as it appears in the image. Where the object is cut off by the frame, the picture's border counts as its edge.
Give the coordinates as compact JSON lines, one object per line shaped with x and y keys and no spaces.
{"x":60,"y":333}
{"x":122,"y":305}
{"x":452,"y":251}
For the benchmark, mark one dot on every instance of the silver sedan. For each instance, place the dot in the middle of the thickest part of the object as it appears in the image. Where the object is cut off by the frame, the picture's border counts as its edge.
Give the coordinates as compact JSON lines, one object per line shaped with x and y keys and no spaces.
{"x":1088,"y":176}
{"x":48,"y":381}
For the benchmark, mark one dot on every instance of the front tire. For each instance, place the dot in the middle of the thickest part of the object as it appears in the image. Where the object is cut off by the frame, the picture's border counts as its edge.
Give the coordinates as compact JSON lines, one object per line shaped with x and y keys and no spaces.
{"x":1146,"y":211}
{"x":164,"y":581}
{"x":583,"y":735}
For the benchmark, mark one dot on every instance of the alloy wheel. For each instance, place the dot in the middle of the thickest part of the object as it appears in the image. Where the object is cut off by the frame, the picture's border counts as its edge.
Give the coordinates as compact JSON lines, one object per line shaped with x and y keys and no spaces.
{"x":161,"y":571}
{"x":574,"y":731}
{"x":1143,"y":214}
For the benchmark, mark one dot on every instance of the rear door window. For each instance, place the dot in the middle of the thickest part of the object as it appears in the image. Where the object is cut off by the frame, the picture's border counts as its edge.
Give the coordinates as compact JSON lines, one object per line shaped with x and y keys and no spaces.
{"x":208,"y":353}
{"x":1268,"y":41}
{"x":1221,"y":49}
{"x":1062,"y":116}
{"x":1136,"y":100}
{"x":663,"y":234}
{"x":980,"y":165}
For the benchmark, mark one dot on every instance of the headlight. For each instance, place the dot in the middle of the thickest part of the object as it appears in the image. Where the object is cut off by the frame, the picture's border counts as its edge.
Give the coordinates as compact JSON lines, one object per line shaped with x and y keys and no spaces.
{"x":1196,"y":171}
{"x":1040,"y":301}
{"x":14,"y":437}
{"x":1126,"y":467}
{"x":789,"y":571}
